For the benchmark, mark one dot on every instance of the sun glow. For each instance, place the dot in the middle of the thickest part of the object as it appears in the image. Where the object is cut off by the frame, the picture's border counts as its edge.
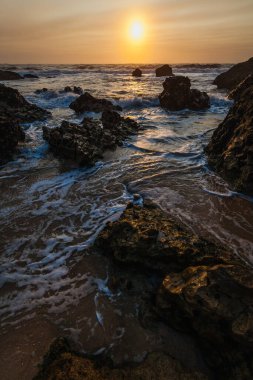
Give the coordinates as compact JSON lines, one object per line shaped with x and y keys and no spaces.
{"x":136,"y":30}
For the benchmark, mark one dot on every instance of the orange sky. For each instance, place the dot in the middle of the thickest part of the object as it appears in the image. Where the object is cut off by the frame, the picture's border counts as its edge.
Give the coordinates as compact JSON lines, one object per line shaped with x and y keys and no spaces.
{"x":96,"y":31}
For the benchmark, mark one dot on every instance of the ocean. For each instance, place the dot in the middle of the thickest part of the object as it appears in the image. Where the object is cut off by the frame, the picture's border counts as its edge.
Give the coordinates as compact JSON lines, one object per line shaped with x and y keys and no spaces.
{"x":51,"y":210}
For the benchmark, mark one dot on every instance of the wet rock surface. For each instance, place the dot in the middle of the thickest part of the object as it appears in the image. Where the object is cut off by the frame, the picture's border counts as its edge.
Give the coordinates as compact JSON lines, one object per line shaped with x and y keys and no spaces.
{"x":230,"y":151}
{"x":10,"y":134}
{"x":62,"y":363}
{"x":237,"y":92}
{"x":178,"y":95}
{"x":164,"y":71}
{"x":13,"y":106}
{"x":88,"y":103}
{"x":9,"y":75}
{"x":205,"y":289}
{"x":137,"y":73}
{"x":85,"y":143}
{"x":236,"y":74}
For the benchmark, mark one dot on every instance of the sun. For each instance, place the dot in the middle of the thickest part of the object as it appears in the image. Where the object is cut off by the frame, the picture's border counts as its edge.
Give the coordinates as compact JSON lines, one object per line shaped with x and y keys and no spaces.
{"x":136,"y":30}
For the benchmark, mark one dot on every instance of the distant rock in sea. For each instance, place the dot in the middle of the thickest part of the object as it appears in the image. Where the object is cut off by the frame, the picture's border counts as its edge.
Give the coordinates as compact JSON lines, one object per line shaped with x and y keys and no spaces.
{"x":88,"y":103}
{"x":9,"y":75}
{"x":236,"y":74}
{"x":230,"y":151}
{"x":86,"y":143}
{"x":164,"y":71}
{"x":178,"y":95}
{"x":137,"y":73}
{"x":75,"y":90}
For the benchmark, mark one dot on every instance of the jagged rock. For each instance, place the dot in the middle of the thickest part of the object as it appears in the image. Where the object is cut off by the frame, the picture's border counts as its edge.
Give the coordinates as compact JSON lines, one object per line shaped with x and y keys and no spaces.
{"x":68,"y":89}
{"x":87,"y":103}
{"x":10,"y":134}
{"x":237,"y":92}
{"x":164,"y":71}
{"x":87,"y":142}
{"x":9,"y":75}
{"x":62,"y":363}
{"x":42,"y":90}
{"x":178,"y":95}
{"x":31,"y":76}
{"x":206,"y":290}
{"x":137,"y":73}
{"x":230,"y":151}
{"x":236,"y":74}
{"x":13,"y":106}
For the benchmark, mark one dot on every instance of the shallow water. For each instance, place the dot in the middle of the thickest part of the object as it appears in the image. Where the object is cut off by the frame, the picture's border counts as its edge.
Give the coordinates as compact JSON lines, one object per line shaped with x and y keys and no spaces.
{"x":52,"y":210}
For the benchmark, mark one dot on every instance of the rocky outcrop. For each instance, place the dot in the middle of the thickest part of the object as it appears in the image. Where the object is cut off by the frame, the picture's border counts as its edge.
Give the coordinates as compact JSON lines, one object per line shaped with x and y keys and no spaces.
{"x":75,"y":90}
{"x":178,"y":95}
{"x":13,"y":106}
{"x":205,"y":290}
{"x":62,"y":363}
{"x":164,"y":71}
{"x":10,"y":134}
{"x":88,"y":103}
{"x":230,"y":151}
{"x":87,"y":142}
{"x":236,"y":74}
{"x":41,"y":90}
{"x":9,"y":75}
{"x":137,"y":73}
{"x":237,"y":92}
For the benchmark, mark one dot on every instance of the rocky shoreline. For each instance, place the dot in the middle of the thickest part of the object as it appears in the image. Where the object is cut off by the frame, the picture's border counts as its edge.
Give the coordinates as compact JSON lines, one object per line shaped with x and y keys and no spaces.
{"x":203,"y":290}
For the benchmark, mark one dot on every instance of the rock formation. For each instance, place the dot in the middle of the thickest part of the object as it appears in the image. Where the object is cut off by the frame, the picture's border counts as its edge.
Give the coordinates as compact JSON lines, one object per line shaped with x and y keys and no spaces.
{"x":237,"y":92}
{"x":236,"y":74}
{"x":205,"y":289}
{"x":178,"y":95}
{"x":88,"y":103}
{"x":31,"y":76}
{"x":9,"y":75}
{"x":75,"y":90}
{"x":13,"y":106}
{"x":137,"y":73}
{"x":87,"y":142}
{"x":230,"y":151}
{"x":164,"y":71}
{"x":10,"y":134}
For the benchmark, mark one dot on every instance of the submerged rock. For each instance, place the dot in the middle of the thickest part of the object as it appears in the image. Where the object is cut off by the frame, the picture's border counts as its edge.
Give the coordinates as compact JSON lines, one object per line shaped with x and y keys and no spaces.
{"x":178,"y":95}
{"x":236,"y":74}
{"x":137,"y":73}
{"x":88,"y":103}
{"x":164,"y":71}
{"x":10,"y":134}
{"x":41,"y":90}
{"x":75,"y":90}
{"x":31,"y":76}
{"x":62,"y":363}
{"x":87,"y":142}
{"x":205,"y":291}
{"x":13,"y":106}
{"x":230,"y":151}
{"x":9,"y":75}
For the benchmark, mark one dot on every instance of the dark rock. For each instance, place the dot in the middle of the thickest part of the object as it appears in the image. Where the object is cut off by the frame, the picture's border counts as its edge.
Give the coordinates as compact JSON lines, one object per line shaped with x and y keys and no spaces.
{"x":13,"y":106}
{"x":178,"y":95}
{"x":68,"y":89}
{"x":9,"y":75}
{"x":206,"y":290}
{"x":164,"y":71}
{"x":236,"y":74}
{"x":63,"y":363}
{"x":230,"y":151}
{"x":10,"y":134}
{"x":137,"y":73}
{"x":31,"y":76}
{"x":87,"y":103}
{"x":40,"y":91}
{"x":87,"y":142}
{"x":78,"y":90}
{"x":237,"y":92}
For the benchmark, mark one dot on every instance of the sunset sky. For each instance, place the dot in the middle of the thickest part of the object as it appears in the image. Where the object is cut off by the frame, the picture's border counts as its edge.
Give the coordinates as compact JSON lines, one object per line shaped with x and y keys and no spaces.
{"x":99,"y":31}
